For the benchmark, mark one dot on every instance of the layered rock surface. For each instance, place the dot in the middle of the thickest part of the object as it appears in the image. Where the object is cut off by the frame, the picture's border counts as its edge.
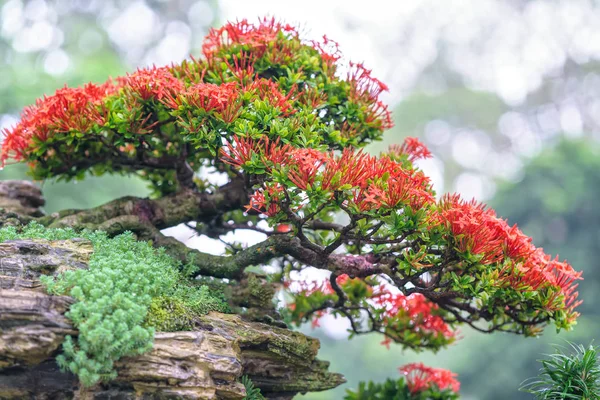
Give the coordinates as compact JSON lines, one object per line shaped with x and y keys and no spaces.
{"x":206,"y":363}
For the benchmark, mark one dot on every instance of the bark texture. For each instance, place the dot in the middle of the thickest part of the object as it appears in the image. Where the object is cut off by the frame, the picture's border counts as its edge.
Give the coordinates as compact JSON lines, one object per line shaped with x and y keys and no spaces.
{"x":202,"y":364}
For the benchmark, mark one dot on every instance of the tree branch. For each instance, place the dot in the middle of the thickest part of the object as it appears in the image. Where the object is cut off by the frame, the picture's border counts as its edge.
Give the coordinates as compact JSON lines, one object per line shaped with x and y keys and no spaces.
{"x":174,"y":209}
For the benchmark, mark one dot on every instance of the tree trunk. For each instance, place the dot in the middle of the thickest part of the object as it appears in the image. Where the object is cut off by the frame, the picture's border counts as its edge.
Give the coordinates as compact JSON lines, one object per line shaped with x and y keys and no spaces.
{"x":202,"y":364}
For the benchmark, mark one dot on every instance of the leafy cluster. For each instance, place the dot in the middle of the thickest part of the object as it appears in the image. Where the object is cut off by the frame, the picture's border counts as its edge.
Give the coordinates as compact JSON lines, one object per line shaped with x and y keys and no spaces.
{"x":411,"y":320}
{"x":568,"y":376}
{"x":113,"y":296}
{"x":164,"y":123}
{"x":418,"y":383}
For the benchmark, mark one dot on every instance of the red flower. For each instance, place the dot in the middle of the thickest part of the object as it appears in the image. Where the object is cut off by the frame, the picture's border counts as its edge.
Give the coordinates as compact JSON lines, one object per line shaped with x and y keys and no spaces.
{"x":415,"y":309}
{"x":376,"y":182}
{"x":412,"y":147}
{"x":242,"y":68}
{"x":209,"y":97}
{"x":239,"y":152}
{"x":363,"y":83}
{"x":69,"y":109}
{"x":269,"y":90}
{"x":257,"y":36}
{"x":350,"y":168}
{"x":477,"y":230}
{"x":420,"y":378}
{"x":151,"y":83}
{"x":305,"y":166}
{"x":388,"y":184}
{"x":330,"y":52}
{"x":271,"y":152}
{"x":265,"y":204}
{"x":365,"y":89}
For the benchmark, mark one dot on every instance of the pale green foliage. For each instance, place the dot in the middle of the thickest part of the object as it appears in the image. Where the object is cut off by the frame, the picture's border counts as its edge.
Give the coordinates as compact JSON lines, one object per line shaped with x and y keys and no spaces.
{"x":113,"y":297}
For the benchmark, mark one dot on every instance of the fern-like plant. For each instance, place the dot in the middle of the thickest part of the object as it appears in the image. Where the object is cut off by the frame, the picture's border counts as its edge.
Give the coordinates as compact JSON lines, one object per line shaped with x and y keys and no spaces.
{"x":565,"y":376}
{"x":252,"y":392}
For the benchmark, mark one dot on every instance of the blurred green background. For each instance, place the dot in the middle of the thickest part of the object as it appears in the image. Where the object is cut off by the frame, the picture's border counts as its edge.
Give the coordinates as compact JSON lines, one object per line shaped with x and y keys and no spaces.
{"x":505,"y":93}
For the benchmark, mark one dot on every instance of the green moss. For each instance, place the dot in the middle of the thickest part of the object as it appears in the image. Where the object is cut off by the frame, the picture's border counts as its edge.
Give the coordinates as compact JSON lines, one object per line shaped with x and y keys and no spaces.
{"x":302,"y":346}
{"x":179,"y":311}
{"x":169,"y":314}
{"x":125,"y":280}
{"x":261,"y":293}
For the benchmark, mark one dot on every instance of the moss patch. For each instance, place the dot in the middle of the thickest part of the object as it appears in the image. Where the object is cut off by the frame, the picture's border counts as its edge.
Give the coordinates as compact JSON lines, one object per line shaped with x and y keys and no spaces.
{"x":180,"y":310}
{"x":169,"y":314}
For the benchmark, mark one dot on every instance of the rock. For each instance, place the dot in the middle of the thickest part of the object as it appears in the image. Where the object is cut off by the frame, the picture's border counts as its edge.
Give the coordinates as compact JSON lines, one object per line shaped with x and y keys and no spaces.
{"x":206,"y":363}
{"x":32,"y":323}
{"x":22,"y":197}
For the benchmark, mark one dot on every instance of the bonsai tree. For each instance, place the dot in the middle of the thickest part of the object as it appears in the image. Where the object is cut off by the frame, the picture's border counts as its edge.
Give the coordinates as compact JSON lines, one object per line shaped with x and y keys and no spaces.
{"x":280,"y":123}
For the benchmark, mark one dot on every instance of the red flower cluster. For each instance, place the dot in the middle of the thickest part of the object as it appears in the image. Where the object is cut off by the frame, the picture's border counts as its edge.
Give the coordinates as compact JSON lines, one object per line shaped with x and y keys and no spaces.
{"x":305,"y":165}
{"x":151,"y":83}
{"x":269,"y":90}
{"x":270,"y":42}
{"x":538,"y":271}
{"x":398,"y":312}
{"x":68,"y":109}
{"x":363,"y":83}
{"x":244,"y":32}
{"x":412,"y":147}
{"x":475,"y":228}
{"x":479,"y":231}
{"x":376,"y":182}
{"x":414,"y":309}
{"x":224,"y":98}
{"x":242,"y":150}
{"x":367,"y":89}
{"x":206,"y":96}
{"x":329,"y":49}
{"x":265,"y":205}
{"x":276,"y":43}
{"x":390,"y":185}
{"x":420,"y":378}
